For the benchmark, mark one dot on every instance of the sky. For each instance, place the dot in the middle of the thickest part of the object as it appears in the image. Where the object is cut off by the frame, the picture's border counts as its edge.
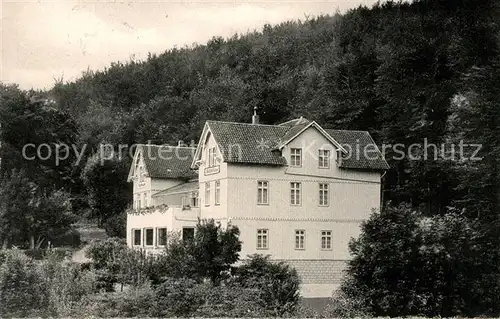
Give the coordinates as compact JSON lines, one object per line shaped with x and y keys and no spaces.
{"x":44,"y":41}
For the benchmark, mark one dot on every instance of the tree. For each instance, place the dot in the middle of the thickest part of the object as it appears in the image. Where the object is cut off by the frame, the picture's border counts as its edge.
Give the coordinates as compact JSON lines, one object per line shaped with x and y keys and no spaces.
{"x":407,"y":264}
{"x":16,"y":195}
{"x":30,"y":214}
{"x":38,"y":137}
{"x":50,"y":217}
{"x":109,"y":193}
{"x":214,"y":249}
{"x":277,"y":282}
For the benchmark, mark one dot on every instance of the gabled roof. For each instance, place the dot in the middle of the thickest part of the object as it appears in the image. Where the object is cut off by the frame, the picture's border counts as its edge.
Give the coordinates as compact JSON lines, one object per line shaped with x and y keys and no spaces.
{"x":247,"y":143}
{"x":179,"y":189}
{"x":359,"y":140}
{"x":300,"y":127}
{"x":167,"y":162}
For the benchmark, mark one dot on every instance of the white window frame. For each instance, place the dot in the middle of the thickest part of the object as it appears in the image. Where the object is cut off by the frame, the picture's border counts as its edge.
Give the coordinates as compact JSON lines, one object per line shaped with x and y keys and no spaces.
{"x":145,"y":199}
{"x":217,"y":192}
{"x":296,"y":157}
{"x":300,"y":239}
{"x":324,"y":158}
{"x":134,"y":237}
{"x":262,"y":188}
{"x":295,"y":193}
{"x":324,"y":195}
{"x":211,"y":156}
{"x":158,"y":244}
{"x":194,"y":201}
{"x":145,"y":232}
{"x":207,"y":193}
{"x":262,"y":239}
{"x":326,"y":240}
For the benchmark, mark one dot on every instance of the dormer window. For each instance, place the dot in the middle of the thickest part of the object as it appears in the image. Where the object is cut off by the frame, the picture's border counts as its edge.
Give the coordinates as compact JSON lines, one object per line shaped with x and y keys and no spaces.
{"x":324,"y":159}
{"x":296,"y":157}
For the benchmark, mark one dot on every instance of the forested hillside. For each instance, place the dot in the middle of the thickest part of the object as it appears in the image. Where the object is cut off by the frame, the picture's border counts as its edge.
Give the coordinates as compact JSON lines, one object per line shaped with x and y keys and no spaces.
{"x":428,"y":70}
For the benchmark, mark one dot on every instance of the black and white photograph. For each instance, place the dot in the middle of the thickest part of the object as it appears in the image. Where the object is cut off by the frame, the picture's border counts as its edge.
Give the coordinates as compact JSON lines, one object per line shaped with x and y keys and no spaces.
{"x":249,"y":159}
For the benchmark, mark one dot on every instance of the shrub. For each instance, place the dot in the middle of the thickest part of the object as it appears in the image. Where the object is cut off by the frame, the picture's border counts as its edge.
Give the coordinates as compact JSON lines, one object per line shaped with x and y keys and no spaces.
{"x":105,"y":256}
{"x":176,"y":297}
{"x":67,"y":284}
{"x":105,"y":253}
{"x":407,"y":264}
{"x":135,"y":302}
{"x":230,"y":301}
{"x":277,"y":282}
{"x":23,"y":292}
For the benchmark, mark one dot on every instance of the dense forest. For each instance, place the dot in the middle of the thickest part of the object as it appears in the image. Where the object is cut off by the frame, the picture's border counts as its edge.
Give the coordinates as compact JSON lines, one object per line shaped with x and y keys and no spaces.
{"x":406,"y":72}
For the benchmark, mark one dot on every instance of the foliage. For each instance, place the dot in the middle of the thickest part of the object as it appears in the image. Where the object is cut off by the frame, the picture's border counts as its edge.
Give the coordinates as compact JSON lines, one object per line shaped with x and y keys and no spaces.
{"x":278,"y":282}
{"x":31,"y":214}
{"x":230,"y":301}
{"x":214,"y":249}
{"x":105,"y":178}
{"x":23,"y":292}
{"x":106,"y":256}
{"x":407,"y":264}
{"x":41,"y":288}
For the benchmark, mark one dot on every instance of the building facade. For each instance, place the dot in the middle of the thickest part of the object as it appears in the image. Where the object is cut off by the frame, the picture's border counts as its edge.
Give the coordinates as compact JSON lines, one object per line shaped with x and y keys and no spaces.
{"x":296,"y":191}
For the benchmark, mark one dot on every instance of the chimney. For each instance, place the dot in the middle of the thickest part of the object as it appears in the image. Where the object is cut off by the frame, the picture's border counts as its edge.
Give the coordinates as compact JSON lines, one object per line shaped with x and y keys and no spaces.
{"x":255,"y":117}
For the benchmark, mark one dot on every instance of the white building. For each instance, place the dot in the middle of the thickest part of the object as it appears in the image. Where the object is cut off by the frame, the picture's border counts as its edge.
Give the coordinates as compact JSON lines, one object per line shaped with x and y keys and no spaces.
{"x":296,"y":191}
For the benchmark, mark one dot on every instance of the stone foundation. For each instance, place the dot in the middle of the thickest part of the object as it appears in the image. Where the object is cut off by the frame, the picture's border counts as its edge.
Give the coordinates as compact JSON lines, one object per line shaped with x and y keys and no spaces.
{"x":319,"y":277}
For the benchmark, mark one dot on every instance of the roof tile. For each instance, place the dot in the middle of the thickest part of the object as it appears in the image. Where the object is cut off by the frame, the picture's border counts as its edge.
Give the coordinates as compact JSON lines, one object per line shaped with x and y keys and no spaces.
{"x":164,"y":161}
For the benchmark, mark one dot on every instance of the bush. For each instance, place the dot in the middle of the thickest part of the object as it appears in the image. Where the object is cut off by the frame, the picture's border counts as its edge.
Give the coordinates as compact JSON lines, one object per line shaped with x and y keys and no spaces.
{"x":105,"y":256}
{"x":230,"y":301}
{"x":67,"y":284}
{"x":40,"y":254}
{"x":177,"y":297}
{"x":135,"y":302}
{"x":105,"y":253}
{"x":23,"y":292}
{"x":277,"y":282}
{"x":408,"y":264}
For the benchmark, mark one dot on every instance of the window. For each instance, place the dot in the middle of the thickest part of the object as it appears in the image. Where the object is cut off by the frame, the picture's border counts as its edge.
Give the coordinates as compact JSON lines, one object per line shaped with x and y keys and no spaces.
{"x":262,"y":239}
{"x":139,"y":201}
{"x":136,"y":237}
{"x":162,"y":236}
{"x":295,"y":193}
{"x":188,"y":233}
{"x":323,"y":195}
{"x":145,"y":201}
{"x":194,"y":199}
{"x":207,"y":194}
{"x":296,"y":157}
{"x":324,"y":159}
{"x":149,"y":236}
{"x":300,"y":238}
{"x":211,"y":157}
{"x":141,"y":173}
{"x":136,"y":201}
{"x":262,"y":192}
{"x":326,"y":239}
{"x":217,"y":192}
